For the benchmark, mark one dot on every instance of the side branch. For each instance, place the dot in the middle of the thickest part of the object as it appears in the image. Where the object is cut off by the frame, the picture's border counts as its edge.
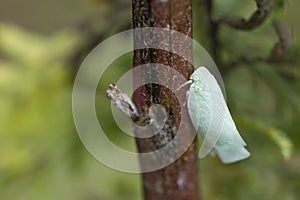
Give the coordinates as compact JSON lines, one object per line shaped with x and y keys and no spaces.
{"x":264,"y":8}
{"x":125,"y":104}
{"x":122,"y":101}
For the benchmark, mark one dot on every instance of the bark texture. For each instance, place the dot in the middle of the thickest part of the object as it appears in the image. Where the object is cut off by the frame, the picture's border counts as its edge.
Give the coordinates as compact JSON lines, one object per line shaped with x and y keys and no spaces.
{"x":179,"y":180}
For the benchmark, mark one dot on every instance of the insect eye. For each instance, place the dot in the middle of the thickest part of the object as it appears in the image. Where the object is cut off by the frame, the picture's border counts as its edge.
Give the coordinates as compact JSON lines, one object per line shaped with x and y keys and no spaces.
{"x":195,"y":78}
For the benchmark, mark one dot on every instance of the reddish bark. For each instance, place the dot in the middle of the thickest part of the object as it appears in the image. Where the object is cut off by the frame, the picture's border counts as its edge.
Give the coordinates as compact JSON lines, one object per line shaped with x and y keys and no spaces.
{"x":179,"y":180}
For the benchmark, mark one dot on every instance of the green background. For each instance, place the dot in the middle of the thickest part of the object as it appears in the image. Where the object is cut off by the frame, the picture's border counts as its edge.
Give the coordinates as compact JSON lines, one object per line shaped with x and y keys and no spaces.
{"x":41,"y":156}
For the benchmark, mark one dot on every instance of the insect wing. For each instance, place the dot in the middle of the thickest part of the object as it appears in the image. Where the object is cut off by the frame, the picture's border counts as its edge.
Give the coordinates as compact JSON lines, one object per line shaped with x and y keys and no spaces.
{"x":207,"y":109}
{"x":210,"y":115}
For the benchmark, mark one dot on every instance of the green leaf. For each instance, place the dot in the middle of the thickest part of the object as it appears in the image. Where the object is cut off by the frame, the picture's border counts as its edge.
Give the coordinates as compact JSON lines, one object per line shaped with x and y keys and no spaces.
{"x":282,"y":140}
{"x":278,"y":136}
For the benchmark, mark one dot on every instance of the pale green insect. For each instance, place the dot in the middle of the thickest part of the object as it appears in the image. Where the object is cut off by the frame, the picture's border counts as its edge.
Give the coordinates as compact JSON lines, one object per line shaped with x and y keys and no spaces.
{"x":211,"y":117}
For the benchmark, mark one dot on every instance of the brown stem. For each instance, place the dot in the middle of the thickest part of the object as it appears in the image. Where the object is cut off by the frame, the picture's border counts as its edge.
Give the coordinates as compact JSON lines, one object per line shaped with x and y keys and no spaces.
{"x":179,"y":180}
{"x":285,"y":42}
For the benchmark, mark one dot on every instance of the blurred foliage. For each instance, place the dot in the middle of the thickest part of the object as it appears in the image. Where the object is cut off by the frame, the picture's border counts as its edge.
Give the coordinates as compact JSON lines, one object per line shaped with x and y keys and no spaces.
{"x":266,"y":106}
{"x":41,"y":156}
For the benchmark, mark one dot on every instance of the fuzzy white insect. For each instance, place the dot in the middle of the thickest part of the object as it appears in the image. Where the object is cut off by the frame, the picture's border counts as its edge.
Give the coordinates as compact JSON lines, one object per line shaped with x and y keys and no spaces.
{"x":211,"y":117}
